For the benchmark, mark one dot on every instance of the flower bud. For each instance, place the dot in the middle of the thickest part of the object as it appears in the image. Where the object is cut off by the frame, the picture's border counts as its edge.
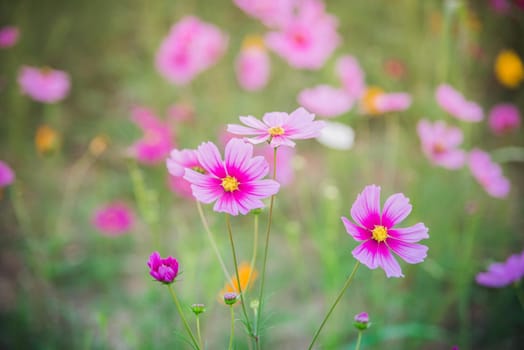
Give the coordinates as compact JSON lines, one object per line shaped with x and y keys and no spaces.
{"x":161,"y":269}
{"x":230,"y":298}
{"x":198,"y":309}
{"x":362,"y":321}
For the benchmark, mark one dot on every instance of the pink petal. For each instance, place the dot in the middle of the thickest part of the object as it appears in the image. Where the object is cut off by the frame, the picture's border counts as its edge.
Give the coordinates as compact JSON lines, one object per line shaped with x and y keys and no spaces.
{"x":209,"y":157}
{"x":206,"y":189}
{"x":254,"y":123}
{"x":242,"y":130}
{"x":260,"y":188}
{"x":257,"y":168}
{"x":411,"y":253}
{"x":226,"y":204}
{"x":396,"y":209}
{"x":410,"y":234}
{"x":357,"y":232}
{"x":237,"y":155}
{"x":366,"y":209}
{"x":387,"y":262}
{"x":366,"y":253}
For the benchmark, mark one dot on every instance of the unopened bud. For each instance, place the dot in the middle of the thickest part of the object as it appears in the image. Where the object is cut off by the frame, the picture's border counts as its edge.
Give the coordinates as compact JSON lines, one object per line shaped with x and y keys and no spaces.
{"x":362,"y":321}
{"x":230,"y":298}
{"x":198,"y":309}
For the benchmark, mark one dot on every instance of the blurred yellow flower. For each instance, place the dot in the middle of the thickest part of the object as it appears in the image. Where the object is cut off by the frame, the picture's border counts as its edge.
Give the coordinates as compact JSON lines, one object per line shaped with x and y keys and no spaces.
{"x":509,"y":69}
{"x":368,"y":102}
{"x":246,"y":276}
{"x":253,"y":41}
{"x":46,"y":139}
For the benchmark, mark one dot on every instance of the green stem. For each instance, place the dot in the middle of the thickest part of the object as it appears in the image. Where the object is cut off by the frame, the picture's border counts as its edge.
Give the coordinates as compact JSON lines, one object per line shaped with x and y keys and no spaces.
{"x":230,"y":232}
{"x":255,"y":248}
{"x":199,"y":336}
{"x":359,"y":339}
{"x":520,"y":295}
{"x":264,"y":263}
{"x":346,"y":285}
{"x":232,"y":336}
{"x":184,"y":321}
{"x":211,"y":238}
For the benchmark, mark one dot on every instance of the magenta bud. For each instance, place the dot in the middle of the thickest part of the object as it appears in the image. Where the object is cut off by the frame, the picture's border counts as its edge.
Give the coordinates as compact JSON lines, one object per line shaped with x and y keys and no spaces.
{"x":230,"y":298}
{"x":362,"y":321}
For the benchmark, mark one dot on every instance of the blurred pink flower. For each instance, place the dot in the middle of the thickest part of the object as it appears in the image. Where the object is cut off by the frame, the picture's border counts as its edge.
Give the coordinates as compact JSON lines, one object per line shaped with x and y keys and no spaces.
{"x":455,"y":104}
{"x":503,"y":118}
{"x":375,"y":230}
{"x":177,"y":163}
{"x":156,"y":142}
{"x":163,"y":270}
{"x":252,"y":66}
{"x":285,"y":171}
{"x":439,"y":144}
{"x":44,"y":85}
{"x":325,"y":101}
{"x":270,"y":12}
{"x":503,"y":274}
{"x":235,"y":184}
{"x":191,"y":47}
{"x":279,"y":128}
{"x":7,"y":175}
{"x":500,"y":6}
{"x":488,"y":174}
{"x":180,"y":112}
{"x":8,"y":36}
{"x":114,"y":219}
{"x":351,"y":75}
{"x":308,"y":39}
{"x":392,"y":102}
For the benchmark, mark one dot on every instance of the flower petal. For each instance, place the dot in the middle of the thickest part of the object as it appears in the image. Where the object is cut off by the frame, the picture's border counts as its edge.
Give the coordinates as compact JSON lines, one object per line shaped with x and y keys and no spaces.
{"x":357,"y":232}
{"x":387,"y":261}
{"x":396,"y":209}
{"x":366,"y":209}
{"x":411,"y":253}
{"x":237,"y":155}
{"x":366,"y":253}
{"x":210,"y":159}
{"x":410,"y":234}
{"x":226,"y":204}
{"x":260,"y":189}
{"x":206,"y":189}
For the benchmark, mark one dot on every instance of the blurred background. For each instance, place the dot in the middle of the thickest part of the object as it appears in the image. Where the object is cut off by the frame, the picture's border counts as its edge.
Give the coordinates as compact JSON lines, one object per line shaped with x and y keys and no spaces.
{"x":73,"y":278}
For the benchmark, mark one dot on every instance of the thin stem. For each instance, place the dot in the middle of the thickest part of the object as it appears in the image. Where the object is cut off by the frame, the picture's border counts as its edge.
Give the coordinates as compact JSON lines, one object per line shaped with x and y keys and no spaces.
{"x":346,"y":285}
{"x":520,"y":295}
{"x":184,"y":321}
{"x":268,"y":231}
{"x":199,"y":336}
{"x":255,"y":248}
{"x":228,"y":223}
{"x":359,"y":339}
{"x":232,"y":336}
{"x":211,"y":238}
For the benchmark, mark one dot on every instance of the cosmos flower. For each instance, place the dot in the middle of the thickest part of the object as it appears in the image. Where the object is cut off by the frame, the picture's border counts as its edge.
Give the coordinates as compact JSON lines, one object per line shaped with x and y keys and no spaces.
{"x":279,"y":128}
{"x":503,"y":274}
{"x":270,"y":12}
{"x":504,"y":118}
{"x":376,"y":101}
{"x":163,"y":270}
{"x":351,"y":75}
{"x":375,"y":229}
{"x":337,"y":136}
{"x":7,"y":175}
{"x":156,"y":143}
{"x":46,"y":139}
{"x":8,"y":36}
{"x":440,"y":143}
{"x":488,"y":174}
{"x":44,"y":85}
{"x":252,"y":66}
{"x":456,"y":105}
{"x":326,"y":101}
{"x":114,"y":219}
{"x":191,"y":47}
{"x":509,"y":69}
{"x":307,"y":39}
{"x":177,"y":163}
{"x":235,"y":184}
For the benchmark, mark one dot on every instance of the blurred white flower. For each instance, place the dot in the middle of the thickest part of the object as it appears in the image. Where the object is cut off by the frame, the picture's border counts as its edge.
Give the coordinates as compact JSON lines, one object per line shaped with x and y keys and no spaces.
{"x":337,"y":135}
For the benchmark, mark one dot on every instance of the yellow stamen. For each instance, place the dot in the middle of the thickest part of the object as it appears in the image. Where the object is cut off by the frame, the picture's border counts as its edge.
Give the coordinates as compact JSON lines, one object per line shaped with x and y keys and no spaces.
{"x":368,"y":103}
{"x":379,"y":233}
{"x":275,"y":130}
{"x":230,"y":184}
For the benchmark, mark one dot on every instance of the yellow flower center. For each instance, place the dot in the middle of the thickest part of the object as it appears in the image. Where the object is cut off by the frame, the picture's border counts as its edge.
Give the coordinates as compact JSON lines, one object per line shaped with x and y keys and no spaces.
{"x":230,"y":184}
{"x":275,"y":130}
{"x":379,"y":233}
{"x":368,"y":103}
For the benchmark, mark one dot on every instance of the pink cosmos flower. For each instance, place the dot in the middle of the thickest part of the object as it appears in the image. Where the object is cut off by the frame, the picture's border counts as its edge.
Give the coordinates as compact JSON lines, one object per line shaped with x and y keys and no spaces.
{"x":8,"y":36}
{"x":375,"y":229}
{"x":177,"y":163}
{"x":503,"y":118}
{"x":500,"y":6}
{"x":308,"y":39}
{"x":270,"y":12}
{"x":235,"y":184}
{"x":156,"y":143}
{"x":114,"y":219}
{"x":488,"y":174}
{"x":455,"y":104}
{"x":44,"y":85}
{"x":326,"y":101}
{"x":440,"y":144}
{"x":393,"y":102}
{"x":7,"y":175}
{"x":351,"y":75}
{"x":279,"y":128}
{"x":252,"y":66}
{"x":163,"y":270}
{"x":285,"y":171}
{"x":180,"y":112}
{"x":503,"y":274}
{"x":191,"y":47}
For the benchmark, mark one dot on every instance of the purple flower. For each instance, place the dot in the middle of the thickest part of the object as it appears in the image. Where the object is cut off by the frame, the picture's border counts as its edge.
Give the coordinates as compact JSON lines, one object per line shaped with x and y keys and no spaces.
{"x":375,"y":229}
{"x":163,"y":270}
{"x":455,"y":104}
{"x":114,"y":219}
{"x":488,"y":174}
{"x":8,"y":36}
{"x":235,"y":184}
{"x":279,"y":128}
{"x":44,"y":85}
{"x":326,"y":101}
{"x":7,"y":176}
{"x":502,"y":274}
{"x":504,"y":118}
{"x":440,"y":144}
